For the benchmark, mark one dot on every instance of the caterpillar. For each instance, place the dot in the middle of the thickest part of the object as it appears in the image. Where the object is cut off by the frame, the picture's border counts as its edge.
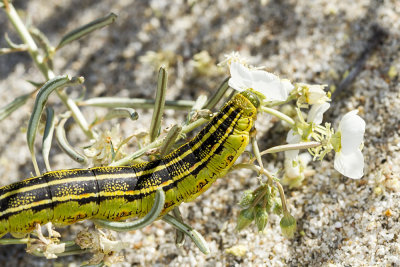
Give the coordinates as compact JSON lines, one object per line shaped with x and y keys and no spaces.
{"x":116,"y":193}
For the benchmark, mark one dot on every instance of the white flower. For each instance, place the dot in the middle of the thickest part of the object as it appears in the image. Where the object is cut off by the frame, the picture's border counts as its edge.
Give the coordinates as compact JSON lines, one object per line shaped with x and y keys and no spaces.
{"x":316,"y":94}
{"x":349,"y":160}
{"x":292,"y":138}
{"x":265,"y":83}
{"x":316,"y":113}
{"x":294,"y":167}
{"x":311,"y":93}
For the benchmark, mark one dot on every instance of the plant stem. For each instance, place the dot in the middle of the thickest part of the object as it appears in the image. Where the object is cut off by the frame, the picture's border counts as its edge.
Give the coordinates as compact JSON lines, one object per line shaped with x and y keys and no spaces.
{"x":282,"y":195}
{"x":278,"y":114}
{"x":28,"y":40}
{"x":46,"y":71}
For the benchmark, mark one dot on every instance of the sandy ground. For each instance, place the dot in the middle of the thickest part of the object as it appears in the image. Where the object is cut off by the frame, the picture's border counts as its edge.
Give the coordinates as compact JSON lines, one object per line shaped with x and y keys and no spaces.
{"x":342,"y":222}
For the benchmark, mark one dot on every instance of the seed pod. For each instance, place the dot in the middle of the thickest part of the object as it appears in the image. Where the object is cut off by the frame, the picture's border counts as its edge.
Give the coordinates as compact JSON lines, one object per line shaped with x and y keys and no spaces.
{"x":277,"y":206}
{"x":247,"y":199}
{"x":288,"y":225}
{"x":261,"y":218}
{"x":245,"y":218}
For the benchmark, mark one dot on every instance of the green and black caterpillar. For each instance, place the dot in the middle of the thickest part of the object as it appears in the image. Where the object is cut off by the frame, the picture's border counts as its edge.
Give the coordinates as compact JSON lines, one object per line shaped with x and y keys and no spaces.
{"x":117,"y":193}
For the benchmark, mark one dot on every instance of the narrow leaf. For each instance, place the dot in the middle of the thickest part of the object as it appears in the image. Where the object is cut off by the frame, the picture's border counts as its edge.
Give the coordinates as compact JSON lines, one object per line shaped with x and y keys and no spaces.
{"x":48,"y":136}
{"x":159,"y":104}
{"x":179,"y":235}
{"x":122,"y":113}
{"x":200,"y":101}
{"x":150,"y":217}
{"x":13,"y":106}
{"x":170,"y":139}
{"x":65,"y":146}
{"x":42,"y":39}
{"x":217,"y":95}
{"x":40,"y":102}
{"x":196,"y":237}
{"x":13,"y":45}
{"x":86,"y":29}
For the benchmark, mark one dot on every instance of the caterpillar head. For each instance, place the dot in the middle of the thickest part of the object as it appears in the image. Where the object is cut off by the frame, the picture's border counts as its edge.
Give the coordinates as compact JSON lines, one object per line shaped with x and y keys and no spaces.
{"x":252,"y":97}
{"x":249,"y":102}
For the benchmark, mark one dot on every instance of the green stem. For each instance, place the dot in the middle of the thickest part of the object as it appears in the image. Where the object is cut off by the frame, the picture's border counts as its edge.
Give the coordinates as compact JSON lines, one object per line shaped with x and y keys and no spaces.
{"x":256,"y":151}
{"x":113,"y":102}
{"x":278,"y":114}
{"x":288,"y":147}
{"x":190,"y":127}
{"x":13,"y":241}
{"x":28,"y":40}
{"x":282,"y":195}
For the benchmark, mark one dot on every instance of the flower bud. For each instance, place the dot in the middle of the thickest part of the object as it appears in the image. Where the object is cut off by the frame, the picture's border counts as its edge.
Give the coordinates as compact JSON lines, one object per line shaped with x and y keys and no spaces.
{"x":288,"y":225}
{"x":261,"y":218}
{"x":277,"y":209}
{"x":247,"y":199}
{"x":245,"y":218}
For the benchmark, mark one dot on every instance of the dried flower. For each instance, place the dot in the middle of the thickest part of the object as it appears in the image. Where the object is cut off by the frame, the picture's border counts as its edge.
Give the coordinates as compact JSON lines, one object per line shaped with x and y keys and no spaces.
{"x":53,"y":249}
{"x":103,"y":246}
{"x":106,"y":148}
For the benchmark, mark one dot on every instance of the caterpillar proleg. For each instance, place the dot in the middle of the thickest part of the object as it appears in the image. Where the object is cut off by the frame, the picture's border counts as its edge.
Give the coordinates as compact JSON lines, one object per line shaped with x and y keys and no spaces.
{"x":117,"y":193}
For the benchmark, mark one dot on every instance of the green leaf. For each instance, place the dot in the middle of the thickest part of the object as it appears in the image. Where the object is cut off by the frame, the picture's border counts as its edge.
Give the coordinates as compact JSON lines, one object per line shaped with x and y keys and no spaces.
{"x":40,"y":102}
{"x":65,"y":146}
{"x":122,"y":113}
{"x":150,"y":217}
{"x":13,"y":106}
{"x":159,"y":104}
{"x":218,"y":95}
{"x":196,"y":237}
{"x":48,"y":136}
{"x":86,"y":29}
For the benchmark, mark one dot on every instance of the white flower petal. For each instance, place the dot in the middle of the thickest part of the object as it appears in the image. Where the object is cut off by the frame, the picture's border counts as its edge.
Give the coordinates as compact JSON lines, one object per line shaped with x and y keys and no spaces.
{"x":292,"y":138}
{"x":267,"y":84}
{"x":350,"y":165}
{"x":316,"y":94}
{"x":292,"y":168}
{"x":352,"y":128}
{"x":287,"y":85}
{"x":304,"y":159}
{"x":316,"y":113}
{"x":241,"y":78}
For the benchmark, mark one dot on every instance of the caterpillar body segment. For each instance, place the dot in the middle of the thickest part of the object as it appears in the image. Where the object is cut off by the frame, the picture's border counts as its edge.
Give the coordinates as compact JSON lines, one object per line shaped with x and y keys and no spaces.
{"x":116,"y":193}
